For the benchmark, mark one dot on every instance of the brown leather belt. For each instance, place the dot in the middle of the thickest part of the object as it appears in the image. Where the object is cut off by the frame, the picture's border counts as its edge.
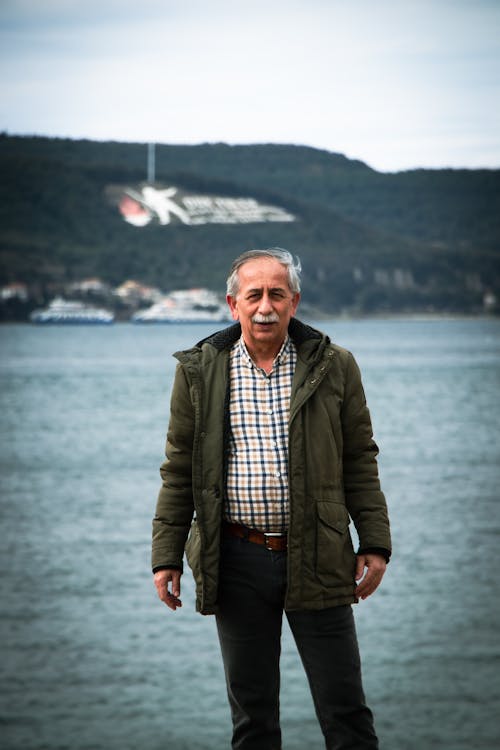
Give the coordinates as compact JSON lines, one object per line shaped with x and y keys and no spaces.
{"x":274,"y":542}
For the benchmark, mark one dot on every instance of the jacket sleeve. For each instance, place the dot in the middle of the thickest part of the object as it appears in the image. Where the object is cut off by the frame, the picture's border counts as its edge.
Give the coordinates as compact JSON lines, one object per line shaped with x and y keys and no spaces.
{"x":364,"y":499}
{"x":174,"y":508}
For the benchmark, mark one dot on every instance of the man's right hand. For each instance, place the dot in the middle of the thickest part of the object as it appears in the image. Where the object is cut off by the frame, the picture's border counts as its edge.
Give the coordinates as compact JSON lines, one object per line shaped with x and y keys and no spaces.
{"x":162,"y":578}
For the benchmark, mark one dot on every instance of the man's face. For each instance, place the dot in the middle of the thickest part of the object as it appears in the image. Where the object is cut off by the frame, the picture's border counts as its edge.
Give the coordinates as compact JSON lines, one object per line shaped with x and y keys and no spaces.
{"x":264,"y":303}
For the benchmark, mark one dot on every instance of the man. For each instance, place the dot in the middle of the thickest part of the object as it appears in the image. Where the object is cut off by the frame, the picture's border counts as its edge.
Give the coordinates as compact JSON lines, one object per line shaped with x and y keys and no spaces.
{"x":270,"y":446}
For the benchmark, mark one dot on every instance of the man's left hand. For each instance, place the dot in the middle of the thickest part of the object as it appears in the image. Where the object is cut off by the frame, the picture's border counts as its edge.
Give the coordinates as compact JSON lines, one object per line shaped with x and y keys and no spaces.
{"x":375,"y":568}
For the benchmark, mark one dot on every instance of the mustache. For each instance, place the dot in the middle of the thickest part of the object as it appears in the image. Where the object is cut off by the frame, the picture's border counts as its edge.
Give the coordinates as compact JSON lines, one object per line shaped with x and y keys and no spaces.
{"x":271,"y":318}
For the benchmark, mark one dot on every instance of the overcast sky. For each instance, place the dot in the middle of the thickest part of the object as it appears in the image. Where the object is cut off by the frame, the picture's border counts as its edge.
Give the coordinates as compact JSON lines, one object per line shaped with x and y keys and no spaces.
{"x":396,"y":83}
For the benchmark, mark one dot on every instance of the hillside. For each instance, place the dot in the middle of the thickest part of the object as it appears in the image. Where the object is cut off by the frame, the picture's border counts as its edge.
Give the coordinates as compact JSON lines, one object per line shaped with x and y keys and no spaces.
{"x":368,"y":241}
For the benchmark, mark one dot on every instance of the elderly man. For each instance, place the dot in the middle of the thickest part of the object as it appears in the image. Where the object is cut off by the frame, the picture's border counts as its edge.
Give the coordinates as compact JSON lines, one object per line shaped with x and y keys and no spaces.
{"x":270,"y":449}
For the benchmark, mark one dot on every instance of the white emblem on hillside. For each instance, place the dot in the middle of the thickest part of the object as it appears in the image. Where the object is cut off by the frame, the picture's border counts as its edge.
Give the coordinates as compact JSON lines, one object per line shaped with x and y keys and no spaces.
{"x":141,"y":206}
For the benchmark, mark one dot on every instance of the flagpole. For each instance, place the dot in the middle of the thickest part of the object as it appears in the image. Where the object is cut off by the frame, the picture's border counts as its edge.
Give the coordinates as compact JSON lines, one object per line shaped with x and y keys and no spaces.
{"x":151,"y":163}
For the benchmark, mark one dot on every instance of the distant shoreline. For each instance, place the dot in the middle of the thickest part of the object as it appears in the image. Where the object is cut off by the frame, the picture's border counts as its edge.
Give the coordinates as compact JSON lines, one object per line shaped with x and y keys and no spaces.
{"x":316,"y":319}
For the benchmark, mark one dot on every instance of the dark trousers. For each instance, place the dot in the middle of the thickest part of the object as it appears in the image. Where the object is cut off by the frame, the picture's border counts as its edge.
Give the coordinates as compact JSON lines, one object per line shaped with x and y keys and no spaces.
{"x":251,"y":597}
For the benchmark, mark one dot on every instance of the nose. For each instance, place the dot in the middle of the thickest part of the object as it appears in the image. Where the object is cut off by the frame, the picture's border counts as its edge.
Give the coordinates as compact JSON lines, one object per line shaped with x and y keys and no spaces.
{"x":265,"y":306}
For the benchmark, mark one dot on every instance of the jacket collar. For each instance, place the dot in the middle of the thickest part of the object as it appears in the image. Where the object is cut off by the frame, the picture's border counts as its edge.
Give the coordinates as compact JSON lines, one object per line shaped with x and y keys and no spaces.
{"x":299,"y":332}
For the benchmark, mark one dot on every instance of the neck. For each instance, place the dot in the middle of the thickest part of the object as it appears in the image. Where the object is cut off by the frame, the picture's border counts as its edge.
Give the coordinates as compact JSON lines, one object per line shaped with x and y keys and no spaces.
{"x":263,"y":354}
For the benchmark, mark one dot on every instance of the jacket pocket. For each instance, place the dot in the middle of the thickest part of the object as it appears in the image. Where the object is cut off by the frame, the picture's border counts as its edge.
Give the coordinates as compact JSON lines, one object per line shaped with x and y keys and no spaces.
{"x":335,"y":558}
{"x":193,"y":547}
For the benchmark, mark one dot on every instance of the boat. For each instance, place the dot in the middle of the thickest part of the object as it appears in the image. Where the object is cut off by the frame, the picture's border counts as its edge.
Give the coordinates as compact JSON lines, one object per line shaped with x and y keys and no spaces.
{"x":185,"y":306}
{"x":66,"y":312}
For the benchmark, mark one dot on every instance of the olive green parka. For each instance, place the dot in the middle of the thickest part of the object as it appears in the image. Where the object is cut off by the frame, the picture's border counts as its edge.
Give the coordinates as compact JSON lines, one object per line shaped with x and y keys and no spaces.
{"x":332,"y":471}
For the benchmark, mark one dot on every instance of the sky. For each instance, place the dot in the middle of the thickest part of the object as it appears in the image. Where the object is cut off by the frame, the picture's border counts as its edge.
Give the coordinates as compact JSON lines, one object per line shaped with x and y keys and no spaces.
{"x":398,"y":84}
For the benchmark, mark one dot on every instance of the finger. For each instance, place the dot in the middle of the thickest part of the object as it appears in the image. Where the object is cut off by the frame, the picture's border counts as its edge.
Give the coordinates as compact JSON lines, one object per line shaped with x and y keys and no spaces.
{"x":364,"y":587}
{"x":176,"y":583}
{"x":363,"y":591}
{"x":360,"y":566}
{"x":369,"y":584}
{"x":172,"y":601}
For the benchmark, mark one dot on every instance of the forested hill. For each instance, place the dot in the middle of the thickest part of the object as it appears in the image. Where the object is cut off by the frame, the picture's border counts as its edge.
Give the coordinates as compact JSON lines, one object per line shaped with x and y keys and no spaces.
{"x":417,"y":240}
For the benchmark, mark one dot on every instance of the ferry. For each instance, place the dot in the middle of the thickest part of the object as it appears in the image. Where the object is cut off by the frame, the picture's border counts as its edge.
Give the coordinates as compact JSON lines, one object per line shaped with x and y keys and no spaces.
{"x":185,"y":306}
{"x":66,"y":312}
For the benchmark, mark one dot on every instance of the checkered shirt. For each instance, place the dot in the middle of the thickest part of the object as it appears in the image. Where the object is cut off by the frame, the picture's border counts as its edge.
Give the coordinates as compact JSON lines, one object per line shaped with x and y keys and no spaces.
{"x":257,"y":471}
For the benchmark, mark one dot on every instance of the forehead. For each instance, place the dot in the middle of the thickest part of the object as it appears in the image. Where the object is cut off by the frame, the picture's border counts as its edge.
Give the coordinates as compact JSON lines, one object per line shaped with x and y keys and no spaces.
{"x":263,"y":272}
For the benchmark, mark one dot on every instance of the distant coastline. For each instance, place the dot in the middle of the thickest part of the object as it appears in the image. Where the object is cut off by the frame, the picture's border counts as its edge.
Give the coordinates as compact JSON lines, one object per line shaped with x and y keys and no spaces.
{"x":85,"y":218}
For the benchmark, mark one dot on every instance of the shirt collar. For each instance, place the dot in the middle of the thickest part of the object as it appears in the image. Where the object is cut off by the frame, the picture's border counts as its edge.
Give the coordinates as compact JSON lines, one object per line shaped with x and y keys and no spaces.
{"x":280,"y":358}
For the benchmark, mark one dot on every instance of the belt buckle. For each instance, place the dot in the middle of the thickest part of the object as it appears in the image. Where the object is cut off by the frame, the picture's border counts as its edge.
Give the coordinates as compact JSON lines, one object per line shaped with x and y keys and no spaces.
{"x":270,"y":534}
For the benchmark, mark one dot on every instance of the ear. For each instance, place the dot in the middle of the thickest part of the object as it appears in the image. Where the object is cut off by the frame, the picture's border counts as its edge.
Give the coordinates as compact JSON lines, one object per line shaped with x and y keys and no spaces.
{"x":231,"y":301}
{"x":295,"y":302}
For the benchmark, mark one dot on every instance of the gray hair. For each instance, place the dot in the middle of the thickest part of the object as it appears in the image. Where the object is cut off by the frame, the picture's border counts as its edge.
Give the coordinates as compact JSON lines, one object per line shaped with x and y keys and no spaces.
{"x":293,"y":268}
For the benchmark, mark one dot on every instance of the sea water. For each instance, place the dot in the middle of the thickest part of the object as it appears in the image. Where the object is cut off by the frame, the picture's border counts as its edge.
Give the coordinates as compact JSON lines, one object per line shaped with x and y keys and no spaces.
{"x":92,"y":659}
